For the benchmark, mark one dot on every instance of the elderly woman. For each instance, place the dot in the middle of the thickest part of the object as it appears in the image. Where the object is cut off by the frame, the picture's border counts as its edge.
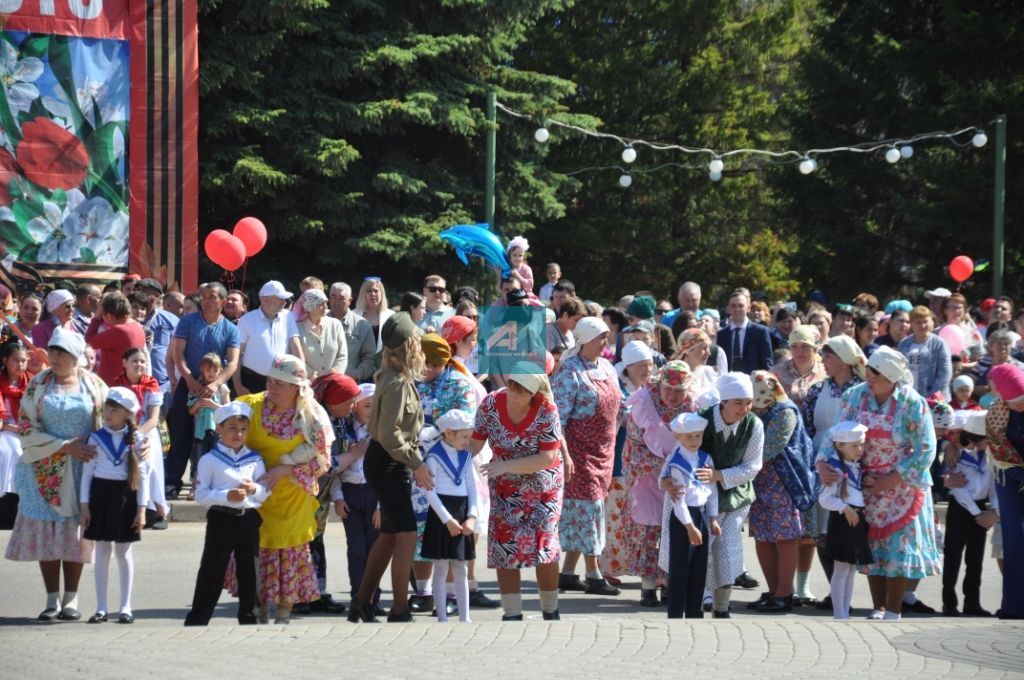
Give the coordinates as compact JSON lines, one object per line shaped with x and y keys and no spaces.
{"x":392,"y":460}
{"x":61,"y":306}
{"x":648,"y":441}
{"x":899,"y":451}
{"x":61,"y":407}
{"x":522,"y":426}
{"x":322,"y":337}
{"x":372,"y":305}
{"x":1005,"y":427}
{"x":776,"y":523}
{"x":288,"y":425}
{"x":999,"y":344}
{"x":797,"y":374}
{"x":587,"y":395}
{"x":927,"y":355}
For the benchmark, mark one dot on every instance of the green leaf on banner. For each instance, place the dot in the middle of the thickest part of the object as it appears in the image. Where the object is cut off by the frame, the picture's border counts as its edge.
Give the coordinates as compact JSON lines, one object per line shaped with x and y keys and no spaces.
{"x":60,"y":63}
{"x":24,"y":211}
{"x":15,"y":237}
{"x":101,"y":151}
{"x":31,"y":253}
{"x":35,"y":45}
{"x":87,"y":256}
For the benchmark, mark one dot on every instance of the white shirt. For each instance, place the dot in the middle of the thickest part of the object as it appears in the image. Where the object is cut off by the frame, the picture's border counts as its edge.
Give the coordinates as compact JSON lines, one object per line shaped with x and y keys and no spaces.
{"x":263,"y":339}
{"x":223,"y":469}
{"x":680,"y":467}
{"x":112,"y":463}
{"x":829,"y":496}
{"x":976,"y":467}
{"x":445,"y":471}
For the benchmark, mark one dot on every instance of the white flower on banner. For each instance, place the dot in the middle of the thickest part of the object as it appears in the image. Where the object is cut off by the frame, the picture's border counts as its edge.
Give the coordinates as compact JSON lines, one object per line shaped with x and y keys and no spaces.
{"x":17,"y":76}
{"x":98,"y":227}
{"x":56,"y":244}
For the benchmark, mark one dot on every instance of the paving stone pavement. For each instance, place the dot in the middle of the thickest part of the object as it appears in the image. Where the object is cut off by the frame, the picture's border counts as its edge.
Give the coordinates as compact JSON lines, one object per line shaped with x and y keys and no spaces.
{"x":597,"y":637}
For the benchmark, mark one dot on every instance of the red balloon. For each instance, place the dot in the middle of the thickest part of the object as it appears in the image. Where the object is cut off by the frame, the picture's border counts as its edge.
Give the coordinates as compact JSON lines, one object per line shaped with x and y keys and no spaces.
{"x":224,"y":249}
{"x":253,"y":234}
{"x":960,"y":268}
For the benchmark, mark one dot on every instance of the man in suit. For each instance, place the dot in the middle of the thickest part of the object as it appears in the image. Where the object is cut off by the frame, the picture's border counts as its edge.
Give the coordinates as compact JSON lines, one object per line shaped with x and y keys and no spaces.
{"x":747,"y":345}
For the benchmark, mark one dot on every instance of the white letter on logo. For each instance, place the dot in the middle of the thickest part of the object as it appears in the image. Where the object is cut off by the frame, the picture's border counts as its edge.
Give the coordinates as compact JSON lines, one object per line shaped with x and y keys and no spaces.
{"x":84,"y":9}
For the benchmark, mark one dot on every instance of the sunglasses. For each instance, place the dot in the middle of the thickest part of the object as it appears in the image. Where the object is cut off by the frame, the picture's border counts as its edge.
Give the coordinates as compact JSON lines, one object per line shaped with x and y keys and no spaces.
{"x":436,"y":289}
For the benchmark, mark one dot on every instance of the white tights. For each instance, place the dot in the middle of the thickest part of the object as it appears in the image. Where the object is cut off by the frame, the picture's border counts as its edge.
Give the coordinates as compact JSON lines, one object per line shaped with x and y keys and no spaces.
{"x":842,"y":589}
{"x":460,"y":580}
{"x":125,"y":568}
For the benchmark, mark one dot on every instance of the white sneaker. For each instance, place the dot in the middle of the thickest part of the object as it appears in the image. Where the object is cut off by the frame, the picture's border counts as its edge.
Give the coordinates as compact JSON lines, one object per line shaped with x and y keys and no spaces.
{"x":876,"y":615}
{"x":890,"y":616}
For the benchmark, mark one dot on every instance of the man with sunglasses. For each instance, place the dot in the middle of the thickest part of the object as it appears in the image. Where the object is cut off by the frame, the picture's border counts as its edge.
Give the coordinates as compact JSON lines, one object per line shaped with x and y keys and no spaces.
{"x":437,"y":311}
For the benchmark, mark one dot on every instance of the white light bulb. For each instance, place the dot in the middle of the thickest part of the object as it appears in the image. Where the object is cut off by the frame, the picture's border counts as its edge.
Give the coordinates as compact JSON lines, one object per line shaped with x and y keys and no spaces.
{"x":625,"y":181}
{"x":808,"y":165}
{"x":628,"y":154}
{"x":892,"y":155}
{"x":715,"y":176}
{"x":906,"y":151}
{"x":716,"y":165}
{"x":541,"y":135}
{"x":979,"y":140}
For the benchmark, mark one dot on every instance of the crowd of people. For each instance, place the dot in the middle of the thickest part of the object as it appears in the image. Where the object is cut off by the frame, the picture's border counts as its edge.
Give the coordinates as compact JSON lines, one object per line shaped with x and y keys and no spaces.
{"x":656,"y":434}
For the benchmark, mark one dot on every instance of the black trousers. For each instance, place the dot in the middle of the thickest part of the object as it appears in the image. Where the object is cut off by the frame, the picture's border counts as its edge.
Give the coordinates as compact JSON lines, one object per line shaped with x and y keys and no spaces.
{"x":687,"y":567}
{"x":253,"y":381}
{"x":182,"y":429}
{"x":965,"y":541}
{"x":226,"y":534}
{"x":360,"y":534}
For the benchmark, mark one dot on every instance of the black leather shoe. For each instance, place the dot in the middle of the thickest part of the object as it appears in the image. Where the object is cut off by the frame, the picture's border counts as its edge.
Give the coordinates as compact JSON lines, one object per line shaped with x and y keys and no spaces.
{"x":975,"y":610}
{"x":98,"y":617}
{"x":764,"y":596}
{"x":246,"y":620}
{"x":775,"y":605}
{"x":598,"y":586}
{"x":480,"y":601}
{"x":950,"y":610}
{"x":451,"y":607}
{"x":571,"y":582}
{"x":918,"y":607}
{"x":707,"y":605}
{"x":552,"y":616}
{"x":649,"y":598}
{"x":512,"y":617}
{"x":378,"y":610}
{"x":721,"y":615}
{"x":69,"y":614}
{"x":403,"y":617}
{"x":49,"y":615}
{"x":421,"y":603}
{"x":804,"y":602}
{"x":745,"y":580}
{"x":301,"y":608}
{"x":824,"y":604}
{"x":126,"y":618}
{"x":325,"y":605}
{"x":361,"y":612}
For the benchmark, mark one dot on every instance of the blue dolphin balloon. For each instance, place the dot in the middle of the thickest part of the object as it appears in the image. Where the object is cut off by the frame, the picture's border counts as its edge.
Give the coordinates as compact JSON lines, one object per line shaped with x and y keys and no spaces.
{"x":479,"y":240}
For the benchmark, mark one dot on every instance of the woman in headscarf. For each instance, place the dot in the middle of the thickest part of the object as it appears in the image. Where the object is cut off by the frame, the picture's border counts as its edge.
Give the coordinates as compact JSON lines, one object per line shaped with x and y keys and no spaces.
{"x":322,"y":337}
{"x":900,"y":448}
{"x":293,"y":434}
{"x":804,"y":369}
{"x":587,"y":395}
{"x":648,"y":441}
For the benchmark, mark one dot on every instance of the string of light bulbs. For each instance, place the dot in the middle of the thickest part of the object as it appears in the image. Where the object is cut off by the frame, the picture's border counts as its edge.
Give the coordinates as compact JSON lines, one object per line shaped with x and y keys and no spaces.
{"x":896,"y":149}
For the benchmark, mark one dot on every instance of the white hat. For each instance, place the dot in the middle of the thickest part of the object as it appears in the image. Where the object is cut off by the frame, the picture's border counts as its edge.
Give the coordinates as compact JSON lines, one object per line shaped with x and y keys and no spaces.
{"x":455,"y":420}
{"x":893,"y":366}
{"x":963,"y":381}
{"x":525,"y":374}
{"x":69,"y":341}
{"x":734,"y":385}
{"x":231,"y":410}
{"x":847,"y":432}
{"x":938,"y":293}
{"x":634,"y":352}
{"x":707,"y":399}
{"x":366,"y":391}
{"x":587,"y":329}
{"x":975,"y":423}
{"x":274,"y":289}
{"x":124,"y":397}
{"x":58,"y":299}
{"x":844,"y":347}
{"x":684,"y":423}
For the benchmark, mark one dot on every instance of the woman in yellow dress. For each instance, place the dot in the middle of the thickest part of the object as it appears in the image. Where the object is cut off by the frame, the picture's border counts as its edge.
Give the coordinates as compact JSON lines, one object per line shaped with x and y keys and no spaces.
{"x":293,"y":434}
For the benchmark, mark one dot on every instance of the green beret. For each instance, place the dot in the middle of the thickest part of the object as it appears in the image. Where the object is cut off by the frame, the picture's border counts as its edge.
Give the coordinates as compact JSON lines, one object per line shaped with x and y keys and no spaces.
{"x":397,"y":329}
{"x":641,"y":307}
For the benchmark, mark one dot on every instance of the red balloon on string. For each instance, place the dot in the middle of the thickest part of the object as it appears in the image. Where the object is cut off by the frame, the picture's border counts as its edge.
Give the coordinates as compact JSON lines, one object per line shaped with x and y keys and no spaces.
{"x":253,"y":234}
{"x":960,"y":268}
{"x":224,"y":249}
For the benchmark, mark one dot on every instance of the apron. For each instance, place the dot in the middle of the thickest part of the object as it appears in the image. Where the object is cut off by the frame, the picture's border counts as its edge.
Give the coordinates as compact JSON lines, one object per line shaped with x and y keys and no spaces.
{"x":588,"y":439}
{"x":892,"y":510}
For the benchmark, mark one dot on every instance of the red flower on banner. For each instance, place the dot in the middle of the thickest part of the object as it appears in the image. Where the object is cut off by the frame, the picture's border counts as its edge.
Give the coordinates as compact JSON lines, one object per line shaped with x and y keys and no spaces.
{"x":8,"y":170}
{"x":51,"y":156}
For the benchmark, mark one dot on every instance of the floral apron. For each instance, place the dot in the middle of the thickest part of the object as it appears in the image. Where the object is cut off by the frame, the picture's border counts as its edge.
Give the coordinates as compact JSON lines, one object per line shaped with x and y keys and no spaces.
{"x":891,"y":510}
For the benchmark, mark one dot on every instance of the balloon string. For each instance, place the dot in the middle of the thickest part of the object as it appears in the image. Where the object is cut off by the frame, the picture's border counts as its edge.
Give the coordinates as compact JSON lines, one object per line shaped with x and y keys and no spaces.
{"x":245,"y":270}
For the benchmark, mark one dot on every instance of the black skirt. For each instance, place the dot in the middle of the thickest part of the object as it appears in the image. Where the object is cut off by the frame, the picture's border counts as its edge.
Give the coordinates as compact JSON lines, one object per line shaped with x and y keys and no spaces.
{"x":112,"y":509}
{"x":391,"y":482}
{"x":438,"y":544}
{"x":848,"y":544}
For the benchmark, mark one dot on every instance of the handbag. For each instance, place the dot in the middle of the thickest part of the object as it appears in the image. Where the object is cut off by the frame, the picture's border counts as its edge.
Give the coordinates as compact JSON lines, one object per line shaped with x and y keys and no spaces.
{"x":795,"y":466}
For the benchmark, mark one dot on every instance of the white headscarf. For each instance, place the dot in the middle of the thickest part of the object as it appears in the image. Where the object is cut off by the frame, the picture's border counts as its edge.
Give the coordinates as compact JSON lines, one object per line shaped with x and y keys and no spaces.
{"x":893,"y":366}
{"x":588,"y":328}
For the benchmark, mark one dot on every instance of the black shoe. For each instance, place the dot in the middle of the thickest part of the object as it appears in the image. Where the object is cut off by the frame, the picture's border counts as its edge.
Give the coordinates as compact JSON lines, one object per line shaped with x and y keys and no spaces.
{"x":552,"y":616}
{"x":49,"y":615}
{"x":244,"y":620}
{"x":950,"y":610}
{"x":598,"y":586}
{"x":171,"y":494}
{"x":721,"y":615}
{"x":567,"y":582}
{"x":745,"y":580}
{"x":707,"y":605}
{"x":421,"y":603}
{"x":301,"y":608}
{"x":69,"y":614}
{"x":824,"y":604}
{"x":918,"y":607}
{"x":649,"y":598}
{"x":451,"y":607}
{"x":976,"y":610}
{"x":404,"y":617}
{"x":776,"y":605}
{"x":126,"y":618}
{"x":98,"y":617}
{"x":378,"y":610}
{"x":804,"y":601}
{"x":361,"y":612}
{"x":511,"y":617}
{"x":159,"y":524}
{"x":764,"y":596}
{"x":326,"y":605}
{"x":663,"y":595}
{"x":480,"y":601}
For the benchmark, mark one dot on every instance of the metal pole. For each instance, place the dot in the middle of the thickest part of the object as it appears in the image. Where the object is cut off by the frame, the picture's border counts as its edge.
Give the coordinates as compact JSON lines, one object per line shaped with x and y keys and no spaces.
{"x":492,"y":134}
{"x":999,"y":208}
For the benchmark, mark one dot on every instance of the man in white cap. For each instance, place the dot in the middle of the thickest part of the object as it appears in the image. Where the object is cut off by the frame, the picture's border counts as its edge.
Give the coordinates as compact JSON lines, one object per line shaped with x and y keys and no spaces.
{"x":265,"y":333}
{"x":61,"y":306}
{"x":735,"y":440}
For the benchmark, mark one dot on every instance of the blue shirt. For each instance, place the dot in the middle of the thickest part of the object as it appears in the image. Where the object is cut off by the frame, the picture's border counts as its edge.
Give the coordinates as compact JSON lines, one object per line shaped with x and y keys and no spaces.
{"x":202,"y":338}
{"x":161,"y":324}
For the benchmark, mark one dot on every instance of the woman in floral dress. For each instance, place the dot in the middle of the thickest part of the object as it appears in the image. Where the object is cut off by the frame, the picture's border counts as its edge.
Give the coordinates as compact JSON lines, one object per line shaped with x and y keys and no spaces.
{"x":648,"y":442}
{"x":588,"y":398}
{"x":804,"y":369}
{"x":899,"y":451}
{"x":526,"y":477}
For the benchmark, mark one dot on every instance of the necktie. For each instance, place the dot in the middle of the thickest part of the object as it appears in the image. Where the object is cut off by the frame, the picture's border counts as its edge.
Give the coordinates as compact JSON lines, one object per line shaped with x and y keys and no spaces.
{"x":737,"y":354}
